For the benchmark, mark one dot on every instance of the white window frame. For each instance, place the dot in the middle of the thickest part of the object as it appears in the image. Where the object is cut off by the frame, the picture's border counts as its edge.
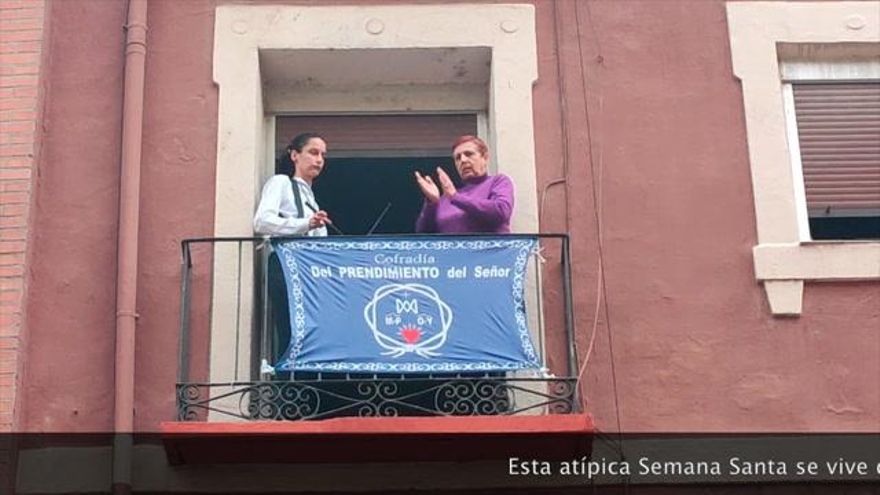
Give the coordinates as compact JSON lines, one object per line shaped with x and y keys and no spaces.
{"x":783,"y":259}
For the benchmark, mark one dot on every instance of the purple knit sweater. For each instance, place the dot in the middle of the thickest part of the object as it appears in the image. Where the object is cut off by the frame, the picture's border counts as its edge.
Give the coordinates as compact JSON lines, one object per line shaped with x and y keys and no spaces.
{"x":483,"y":205}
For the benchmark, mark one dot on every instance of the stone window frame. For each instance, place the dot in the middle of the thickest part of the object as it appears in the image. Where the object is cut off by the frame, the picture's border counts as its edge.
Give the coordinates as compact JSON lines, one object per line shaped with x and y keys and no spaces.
{"x":783,"y":261}
{"x":246,"y":120}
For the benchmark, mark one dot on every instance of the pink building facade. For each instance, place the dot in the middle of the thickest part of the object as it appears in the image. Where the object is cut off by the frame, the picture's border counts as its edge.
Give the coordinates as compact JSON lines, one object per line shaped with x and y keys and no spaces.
{"x":653,"y":133}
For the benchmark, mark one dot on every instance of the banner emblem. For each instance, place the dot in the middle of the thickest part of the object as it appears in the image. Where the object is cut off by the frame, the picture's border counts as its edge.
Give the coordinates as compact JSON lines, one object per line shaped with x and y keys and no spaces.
{"x":403,"y":328}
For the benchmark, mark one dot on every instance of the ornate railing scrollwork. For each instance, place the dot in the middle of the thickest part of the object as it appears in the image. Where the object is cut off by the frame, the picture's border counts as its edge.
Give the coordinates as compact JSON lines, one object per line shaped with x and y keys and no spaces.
{"x":367,"y":397}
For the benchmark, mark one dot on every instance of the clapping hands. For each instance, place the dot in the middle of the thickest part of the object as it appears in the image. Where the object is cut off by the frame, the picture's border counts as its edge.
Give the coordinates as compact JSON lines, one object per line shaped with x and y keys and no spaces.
{"x":430,"y":189}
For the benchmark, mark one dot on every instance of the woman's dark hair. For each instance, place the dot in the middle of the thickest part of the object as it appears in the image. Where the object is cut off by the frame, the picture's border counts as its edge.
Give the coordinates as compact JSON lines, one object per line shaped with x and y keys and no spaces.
{"x":283,"y":163}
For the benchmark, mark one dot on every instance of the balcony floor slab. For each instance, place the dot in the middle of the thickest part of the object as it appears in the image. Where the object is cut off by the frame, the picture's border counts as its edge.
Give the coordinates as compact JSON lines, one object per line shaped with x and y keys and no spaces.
{"x":379,"y":439}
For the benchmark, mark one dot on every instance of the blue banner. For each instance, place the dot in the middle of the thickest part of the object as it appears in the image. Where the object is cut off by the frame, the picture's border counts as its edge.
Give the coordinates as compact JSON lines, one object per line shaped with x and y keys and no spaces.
{"x":429,"y":305}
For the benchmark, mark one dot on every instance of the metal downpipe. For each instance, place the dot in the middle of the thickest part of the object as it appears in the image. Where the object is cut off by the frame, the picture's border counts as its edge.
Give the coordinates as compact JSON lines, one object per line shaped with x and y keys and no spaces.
{"x":127,"y":247}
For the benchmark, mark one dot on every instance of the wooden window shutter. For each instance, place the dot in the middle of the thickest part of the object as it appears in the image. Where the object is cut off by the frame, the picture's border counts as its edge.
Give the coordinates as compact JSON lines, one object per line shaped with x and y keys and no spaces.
{"x":434,"y":133}
{"x":839,"y":133}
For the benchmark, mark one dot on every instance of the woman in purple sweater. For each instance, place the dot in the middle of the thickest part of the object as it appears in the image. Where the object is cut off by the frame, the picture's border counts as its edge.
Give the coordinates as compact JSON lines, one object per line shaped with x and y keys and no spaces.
{"x":483,"y":205}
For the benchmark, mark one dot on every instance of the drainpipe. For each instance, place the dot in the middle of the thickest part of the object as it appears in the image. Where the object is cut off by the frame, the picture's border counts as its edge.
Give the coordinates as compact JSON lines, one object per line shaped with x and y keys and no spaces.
{"x":127,"y":247}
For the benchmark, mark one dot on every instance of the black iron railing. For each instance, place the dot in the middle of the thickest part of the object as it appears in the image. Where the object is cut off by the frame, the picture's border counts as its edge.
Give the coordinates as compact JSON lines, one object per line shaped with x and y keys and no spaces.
{"x":220,"y":375}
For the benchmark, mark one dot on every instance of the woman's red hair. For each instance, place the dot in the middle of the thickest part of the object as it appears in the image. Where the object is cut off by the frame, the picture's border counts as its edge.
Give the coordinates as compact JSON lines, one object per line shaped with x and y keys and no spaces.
{"x":467,"y":138}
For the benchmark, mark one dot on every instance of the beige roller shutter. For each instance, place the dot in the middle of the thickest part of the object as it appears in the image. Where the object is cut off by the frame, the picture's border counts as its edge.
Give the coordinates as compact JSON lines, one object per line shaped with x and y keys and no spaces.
{"x":839,"y":133}
{"x":377,"y":133}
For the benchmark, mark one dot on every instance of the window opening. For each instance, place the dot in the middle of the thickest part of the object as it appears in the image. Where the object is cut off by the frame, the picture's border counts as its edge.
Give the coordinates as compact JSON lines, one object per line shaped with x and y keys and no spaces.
{"x":355,"y":190}
{"x":370,"y":163}
{"x":838,"y":125}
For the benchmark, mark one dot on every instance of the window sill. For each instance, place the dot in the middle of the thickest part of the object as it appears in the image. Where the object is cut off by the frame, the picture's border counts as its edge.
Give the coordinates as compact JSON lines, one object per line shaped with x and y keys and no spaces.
{"x":783,"y":268}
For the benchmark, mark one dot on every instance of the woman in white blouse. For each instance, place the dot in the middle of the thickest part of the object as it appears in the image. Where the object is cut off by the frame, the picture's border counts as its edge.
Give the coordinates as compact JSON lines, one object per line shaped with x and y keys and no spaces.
{"x":288,"y":207}
{"x":287,"y":204}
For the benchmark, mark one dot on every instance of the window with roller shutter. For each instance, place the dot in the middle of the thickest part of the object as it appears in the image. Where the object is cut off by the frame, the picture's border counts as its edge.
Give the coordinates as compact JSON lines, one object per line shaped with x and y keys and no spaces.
{"x":774,"y":47}
{"x":833,"y":110}
{"x":838,"y":127}
{"x":371,"y":160}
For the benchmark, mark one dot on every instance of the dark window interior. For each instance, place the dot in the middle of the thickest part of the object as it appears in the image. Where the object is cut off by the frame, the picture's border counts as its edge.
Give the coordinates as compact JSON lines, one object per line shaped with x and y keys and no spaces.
{"x":354,"y":191}
{"x":830,"y":228}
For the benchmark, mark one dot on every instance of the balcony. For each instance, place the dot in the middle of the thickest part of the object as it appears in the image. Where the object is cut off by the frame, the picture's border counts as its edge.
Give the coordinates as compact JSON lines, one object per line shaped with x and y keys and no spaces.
{"x":226,"y":341}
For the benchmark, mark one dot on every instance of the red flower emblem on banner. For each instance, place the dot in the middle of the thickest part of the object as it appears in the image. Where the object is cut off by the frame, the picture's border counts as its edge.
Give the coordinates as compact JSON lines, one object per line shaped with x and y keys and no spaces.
{"x":411,"y":334}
